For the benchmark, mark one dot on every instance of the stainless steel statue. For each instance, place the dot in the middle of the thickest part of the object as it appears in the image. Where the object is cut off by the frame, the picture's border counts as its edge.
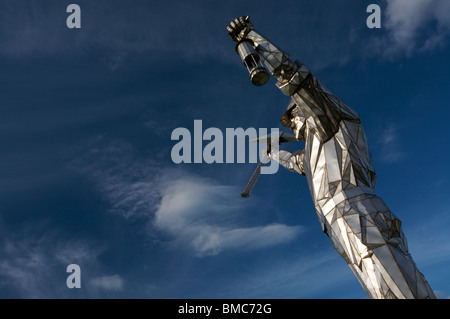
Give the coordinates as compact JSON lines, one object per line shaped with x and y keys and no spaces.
{"x":339,"y":169}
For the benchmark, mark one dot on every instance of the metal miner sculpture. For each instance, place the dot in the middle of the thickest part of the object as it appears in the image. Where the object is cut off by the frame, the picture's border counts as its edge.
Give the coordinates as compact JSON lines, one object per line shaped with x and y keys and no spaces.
{"x":339,"y":169}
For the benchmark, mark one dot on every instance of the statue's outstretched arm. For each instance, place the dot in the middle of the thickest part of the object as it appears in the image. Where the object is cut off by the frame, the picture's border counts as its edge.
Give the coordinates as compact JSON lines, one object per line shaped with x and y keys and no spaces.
{"x":293,"y":161}
{"x":295,"y":80}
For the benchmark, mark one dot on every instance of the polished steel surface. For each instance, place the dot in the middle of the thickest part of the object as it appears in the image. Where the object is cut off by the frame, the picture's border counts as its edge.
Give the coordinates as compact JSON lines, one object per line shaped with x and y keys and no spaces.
{"x":338,"y":167}
{"x":251,"y":60}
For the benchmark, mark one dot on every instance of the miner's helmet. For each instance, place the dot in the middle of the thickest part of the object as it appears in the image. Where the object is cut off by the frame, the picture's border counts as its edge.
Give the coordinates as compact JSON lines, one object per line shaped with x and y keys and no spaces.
{"x":252,"y":62}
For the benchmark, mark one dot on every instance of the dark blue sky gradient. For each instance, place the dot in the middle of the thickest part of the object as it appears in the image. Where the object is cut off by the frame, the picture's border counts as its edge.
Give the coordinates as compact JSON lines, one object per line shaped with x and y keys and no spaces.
{"x":86,"y":175}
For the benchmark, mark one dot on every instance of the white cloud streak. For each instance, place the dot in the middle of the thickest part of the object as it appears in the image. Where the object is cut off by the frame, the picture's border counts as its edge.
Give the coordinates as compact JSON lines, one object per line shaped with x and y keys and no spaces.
{"x":197,"y":213}
{"x":195,"y":210}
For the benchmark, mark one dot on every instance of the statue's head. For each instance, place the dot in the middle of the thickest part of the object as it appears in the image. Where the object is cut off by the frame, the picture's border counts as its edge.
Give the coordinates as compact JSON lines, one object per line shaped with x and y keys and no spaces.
{"x":295,"y":120}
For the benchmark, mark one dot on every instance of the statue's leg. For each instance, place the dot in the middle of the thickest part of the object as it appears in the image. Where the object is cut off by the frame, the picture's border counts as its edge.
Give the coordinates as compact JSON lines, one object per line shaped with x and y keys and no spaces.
{"x":369,"y":237}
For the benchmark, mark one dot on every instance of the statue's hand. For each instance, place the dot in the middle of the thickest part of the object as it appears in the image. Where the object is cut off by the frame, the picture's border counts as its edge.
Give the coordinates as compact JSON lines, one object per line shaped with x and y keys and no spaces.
{"x":239,"y":28}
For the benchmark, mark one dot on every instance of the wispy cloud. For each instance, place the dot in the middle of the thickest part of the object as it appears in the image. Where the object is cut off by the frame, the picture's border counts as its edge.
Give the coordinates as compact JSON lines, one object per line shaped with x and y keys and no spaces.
{"x":110,"y":283}
{"x":114,"y":28}
{"x":429,"y":238}
{"x":390,"y":151}
{"x":125,"y":182}
{"x":299,"y":277}
{"x":413,"y":26}
{"x":196,"y":212}
{"x":33,"y":261}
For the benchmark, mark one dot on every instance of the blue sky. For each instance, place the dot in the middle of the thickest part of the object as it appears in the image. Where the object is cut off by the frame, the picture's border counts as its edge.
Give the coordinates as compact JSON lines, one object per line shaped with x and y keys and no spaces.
{"x":86,"y":118}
